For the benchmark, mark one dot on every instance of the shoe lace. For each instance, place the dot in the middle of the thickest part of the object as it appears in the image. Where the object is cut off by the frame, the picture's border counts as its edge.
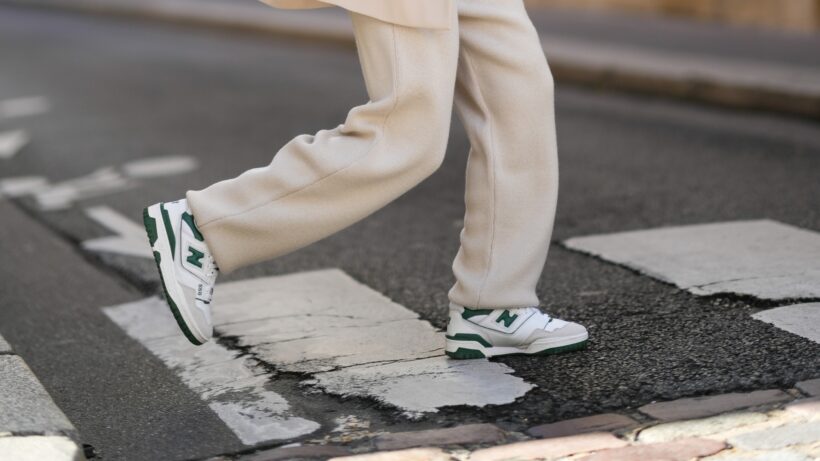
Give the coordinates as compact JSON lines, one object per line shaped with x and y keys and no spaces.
{"x":209,"y":266}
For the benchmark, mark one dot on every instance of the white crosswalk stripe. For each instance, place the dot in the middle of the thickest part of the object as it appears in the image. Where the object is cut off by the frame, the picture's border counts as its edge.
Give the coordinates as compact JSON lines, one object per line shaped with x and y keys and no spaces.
{"x":352,"y":340}
{"x":356,"y":342}
{"x":231,"y":386}
{"x":765,"y":259}
{"x":799,"y":319}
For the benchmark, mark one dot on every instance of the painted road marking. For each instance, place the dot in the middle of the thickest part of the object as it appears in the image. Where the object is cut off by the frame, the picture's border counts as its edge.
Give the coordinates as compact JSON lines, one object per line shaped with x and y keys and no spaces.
{"x":22,"y":107}
{"x":356,"y":342}
{"x":103,"y":181}
{"x":352,"y":340}
{"x":12,"y":142}
{"x":62,"y":195}
{"x":800,"y":319}
{"x":22,"y":185}
{"x":130,"y":238}
{"x":765,"y":259}
{"x":159,"y":166}
{"x":231,"y":385}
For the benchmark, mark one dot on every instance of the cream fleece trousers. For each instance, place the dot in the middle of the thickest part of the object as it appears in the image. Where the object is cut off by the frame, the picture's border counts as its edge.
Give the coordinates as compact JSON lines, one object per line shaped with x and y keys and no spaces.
{"x":490,"y":63}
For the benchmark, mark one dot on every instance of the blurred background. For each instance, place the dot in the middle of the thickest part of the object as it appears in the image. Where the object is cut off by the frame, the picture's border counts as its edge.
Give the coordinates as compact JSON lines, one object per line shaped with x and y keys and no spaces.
{"x":791,"y":15}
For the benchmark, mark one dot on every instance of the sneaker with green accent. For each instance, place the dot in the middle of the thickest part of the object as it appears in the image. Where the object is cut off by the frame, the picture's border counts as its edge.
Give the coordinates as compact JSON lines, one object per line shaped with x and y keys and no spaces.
{"x":479,"y":333}
{"x":186,"y":268}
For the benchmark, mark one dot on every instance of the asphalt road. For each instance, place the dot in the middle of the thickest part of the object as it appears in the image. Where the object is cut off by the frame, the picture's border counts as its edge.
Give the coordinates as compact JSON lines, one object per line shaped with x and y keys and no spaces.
{"x":123,"y":90}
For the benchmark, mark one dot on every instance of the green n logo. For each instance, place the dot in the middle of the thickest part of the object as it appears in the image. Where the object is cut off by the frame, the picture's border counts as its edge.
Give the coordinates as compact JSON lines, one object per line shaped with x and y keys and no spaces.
{"x":506,"y":318}
{"x":195,"y":257}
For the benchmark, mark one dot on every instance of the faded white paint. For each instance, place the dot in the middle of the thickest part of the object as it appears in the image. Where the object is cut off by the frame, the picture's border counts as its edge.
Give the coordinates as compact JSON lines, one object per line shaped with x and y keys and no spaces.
{"x":11,"y":142}
{"x":22,"y":185}
{"x":766,"y":259}
{"x":231,"y":385}
{"x":356,"y":342}
{"x":22,"y":107}
{"x":62,"y":195}
{"x":159,"y":166}
{"x":130,"y":238}
{"x":800,"y":319}
{"x":39,"y":448}
{"x":103,"y":181}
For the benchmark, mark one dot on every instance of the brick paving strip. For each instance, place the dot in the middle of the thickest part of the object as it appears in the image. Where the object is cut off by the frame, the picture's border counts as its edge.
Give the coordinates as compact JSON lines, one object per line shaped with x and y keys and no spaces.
{"x":762,"y":425}
{"x":32,"y":427}
{"x":729,"y":82}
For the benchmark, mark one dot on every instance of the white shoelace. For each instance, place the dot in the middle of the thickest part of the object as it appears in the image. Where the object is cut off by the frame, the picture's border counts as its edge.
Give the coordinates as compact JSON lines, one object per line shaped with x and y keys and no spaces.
{"x":210,"y":268}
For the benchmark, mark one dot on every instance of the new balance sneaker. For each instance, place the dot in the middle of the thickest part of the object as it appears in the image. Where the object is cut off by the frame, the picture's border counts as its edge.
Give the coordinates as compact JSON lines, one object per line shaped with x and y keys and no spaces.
{"x":186,"y":267}
{"x":478,"y":333}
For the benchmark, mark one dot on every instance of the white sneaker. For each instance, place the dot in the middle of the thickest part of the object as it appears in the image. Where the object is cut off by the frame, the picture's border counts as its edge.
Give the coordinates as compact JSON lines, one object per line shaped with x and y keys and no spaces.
{"x":478,"y":333}
{"x":186,"y":267}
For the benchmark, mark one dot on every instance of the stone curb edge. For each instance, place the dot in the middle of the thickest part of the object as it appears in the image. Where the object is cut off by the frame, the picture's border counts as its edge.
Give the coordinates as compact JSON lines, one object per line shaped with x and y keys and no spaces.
{"x":721,"y":92}
{"x":624,"y":431}
{"x":42,"y":430}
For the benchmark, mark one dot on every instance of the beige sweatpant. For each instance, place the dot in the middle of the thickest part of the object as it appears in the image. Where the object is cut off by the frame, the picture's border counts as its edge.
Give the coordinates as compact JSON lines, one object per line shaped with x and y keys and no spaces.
{"x":319,"y":184}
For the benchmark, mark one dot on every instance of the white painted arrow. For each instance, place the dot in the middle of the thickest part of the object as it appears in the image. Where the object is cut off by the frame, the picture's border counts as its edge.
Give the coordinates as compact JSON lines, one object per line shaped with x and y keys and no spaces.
{"x":11,"y":142}
{"x":62,"y":195}
{"x":22,"y":185}
{"x":103,"y":181}
{"x":130,"y":237}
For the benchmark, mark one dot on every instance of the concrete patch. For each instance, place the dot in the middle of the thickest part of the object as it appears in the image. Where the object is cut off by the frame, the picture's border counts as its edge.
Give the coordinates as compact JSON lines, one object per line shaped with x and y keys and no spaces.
{"x":25,"y":406}
{"x":39,"y":448}
{"x":11,"y":142}
{"x":800,"y":319}
{"x":356,"y":342}
{"x":130,"y":238}
{"x":231,"y":385}
{"x":23,"y":107}
{"x":765,"y":259}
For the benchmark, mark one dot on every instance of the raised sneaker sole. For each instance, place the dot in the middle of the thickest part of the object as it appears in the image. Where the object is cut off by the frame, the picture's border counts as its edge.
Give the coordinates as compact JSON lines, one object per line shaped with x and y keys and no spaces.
{"x":472,"y":346}
{"x":160,"y":238}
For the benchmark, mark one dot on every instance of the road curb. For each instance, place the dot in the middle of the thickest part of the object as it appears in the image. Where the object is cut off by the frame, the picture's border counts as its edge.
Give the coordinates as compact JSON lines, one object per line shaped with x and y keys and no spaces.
{"x":699,"y":83}
{"x":31,"y":425}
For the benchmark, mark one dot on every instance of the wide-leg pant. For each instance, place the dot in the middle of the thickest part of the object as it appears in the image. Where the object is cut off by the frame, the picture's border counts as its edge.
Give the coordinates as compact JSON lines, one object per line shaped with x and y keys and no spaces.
{"x":490,"y":63}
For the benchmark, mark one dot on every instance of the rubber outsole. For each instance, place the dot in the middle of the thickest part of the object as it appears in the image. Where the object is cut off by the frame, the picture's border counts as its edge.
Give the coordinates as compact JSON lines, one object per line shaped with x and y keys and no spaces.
{"x":151,"y":229}
{"x":463,"y":353}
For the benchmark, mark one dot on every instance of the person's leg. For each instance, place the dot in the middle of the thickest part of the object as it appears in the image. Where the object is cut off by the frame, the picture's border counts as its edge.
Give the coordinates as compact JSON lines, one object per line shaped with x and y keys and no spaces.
{"x":316,"y":184}
{"x":504,"y":98}
{"x":319,"y":184}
